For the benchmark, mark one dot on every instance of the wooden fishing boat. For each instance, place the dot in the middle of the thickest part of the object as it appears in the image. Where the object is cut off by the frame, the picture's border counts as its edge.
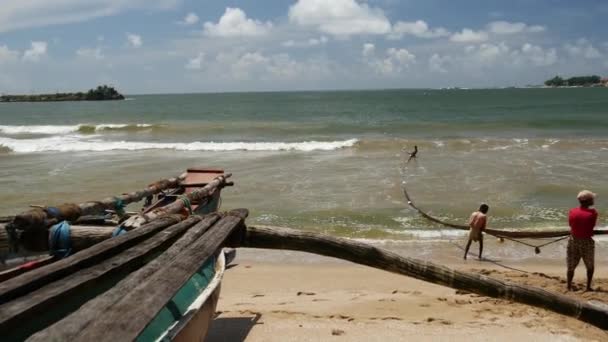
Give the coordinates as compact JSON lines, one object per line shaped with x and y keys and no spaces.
{"x":193,"y":179}
{"x":195,"y":303}
{"x":197,"y":191}
{"x":168,"y":230}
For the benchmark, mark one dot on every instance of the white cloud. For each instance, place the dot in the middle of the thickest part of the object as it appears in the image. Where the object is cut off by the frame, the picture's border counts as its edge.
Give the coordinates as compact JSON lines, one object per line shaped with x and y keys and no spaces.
{"x":469,"y":36}
{"x":190,"y":19}
{"x":369,"y":49}
{"x":418,"y":29}
{"x":582,"y":48}
{"x":394,"y":62}
{"x":19,"y":14}
{"x":438,"y":63}
{"x":249,"y":59}
{"x":539,"y":56}
{"x":8,"y":55}
{"x":257,"y":66}
{"x":492,"y":52}
{"x":134,"y":40}
{"x":196,"y":63}
{"x":234,"y":23}
{"x":35,"y":52}
{"x":402,"y":56}
{"x":339,"y":17}
{"x":306,"y":43}
{"x":282,"y":66}
{"x":90,"y":53}
{"x":317,"y":41}
{"x":488,"y":54}
{"x":505,"y":27}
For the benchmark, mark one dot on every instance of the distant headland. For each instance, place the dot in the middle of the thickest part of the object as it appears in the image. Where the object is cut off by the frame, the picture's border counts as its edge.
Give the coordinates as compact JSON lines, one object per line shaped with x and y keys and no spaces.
{"x":101,"y":93}
{"x":577,"y":81}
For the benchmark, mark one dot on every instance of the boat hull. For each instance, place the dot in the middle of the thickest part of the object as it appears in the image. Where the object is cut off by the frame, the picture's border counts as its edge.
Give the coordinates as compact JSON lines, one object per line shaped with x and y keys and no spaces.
{"x":191,"y":322}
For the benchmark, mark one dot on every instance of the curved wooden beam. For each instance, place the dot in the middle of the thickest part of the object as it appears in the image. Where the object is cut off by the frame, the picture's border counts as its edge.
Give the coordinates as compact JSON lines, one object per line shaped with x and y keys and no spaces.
{"x":592,"y":312}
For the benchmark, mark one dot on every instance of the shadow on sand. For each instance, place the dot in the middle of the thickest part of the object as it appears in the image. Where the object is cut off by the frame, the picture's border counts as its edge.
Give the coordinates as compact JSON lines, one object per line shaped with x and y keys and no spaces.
{"x":232,"y":328}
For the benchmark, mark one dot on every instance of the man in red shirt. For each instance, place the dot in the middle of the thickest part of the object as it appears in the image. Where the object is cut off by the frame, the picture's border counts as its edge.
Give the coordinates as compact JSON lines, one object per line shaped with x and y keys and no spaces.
{"x":582,"y":221}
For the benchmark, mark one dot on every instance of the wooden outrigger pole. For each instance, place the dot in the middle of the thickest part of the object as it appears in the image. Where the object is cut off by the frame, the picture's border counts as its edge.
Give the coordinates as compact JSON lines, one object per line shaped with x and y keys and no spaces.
{"x":592,"y":312}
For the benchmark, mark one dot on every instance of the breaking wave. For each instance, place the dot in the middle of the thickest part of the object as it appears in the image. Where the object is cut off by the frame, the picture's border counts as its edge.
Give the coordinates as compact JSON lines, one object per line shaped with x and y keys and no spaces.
{"x":67,"y":129}
{"x":79,"y":143}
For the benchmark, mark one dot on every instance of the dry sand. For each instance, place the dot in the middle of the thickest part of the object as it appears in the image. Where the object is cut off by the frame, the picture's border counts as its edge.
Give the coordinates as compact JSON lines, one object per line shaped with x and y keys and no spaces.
{"x":328,"y":300}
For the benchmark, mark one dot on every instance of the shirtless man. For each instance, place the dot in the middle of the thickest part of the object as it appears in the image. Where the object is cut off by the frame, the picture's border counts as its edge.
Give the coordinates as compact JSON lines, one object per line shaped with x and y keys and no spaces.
{"x":477,"y":222}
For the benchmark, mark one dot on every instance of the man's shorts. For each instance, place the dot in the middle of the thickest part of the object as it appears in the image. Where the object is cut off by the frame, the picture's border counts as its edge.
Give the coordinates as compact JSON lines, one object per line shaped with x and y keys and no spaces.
{"x":475,"y":235}
{"x":580,"y":248}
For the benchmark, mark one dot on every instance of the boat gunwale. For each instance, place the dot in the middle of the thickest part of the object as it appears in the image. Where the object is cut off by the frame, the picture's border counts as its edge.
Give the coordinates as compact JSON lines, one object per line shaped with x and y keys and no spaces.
{"x":214,"y":285}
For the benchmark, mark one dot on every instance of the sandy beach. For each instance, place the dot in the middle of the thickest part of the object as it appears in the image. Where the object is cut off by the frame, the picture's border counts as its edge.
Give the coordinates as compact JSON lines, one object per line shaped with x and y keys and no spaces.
{"x":318,"y":299}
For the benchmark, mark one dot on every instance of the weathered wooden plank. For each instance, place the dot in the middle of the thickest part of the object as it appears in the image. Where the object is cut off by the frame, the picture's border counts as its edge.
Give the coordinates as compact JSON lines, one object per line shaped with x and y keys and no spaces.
{"x":67,"y":328}
{"x":26,"y":267}
{"x":84,"y":237}
{"x":145,"y":301}
{"x":361,"y":253}
{"x":33,"y":280}
{"x":53,"y":301}
{"x":4,"y":247}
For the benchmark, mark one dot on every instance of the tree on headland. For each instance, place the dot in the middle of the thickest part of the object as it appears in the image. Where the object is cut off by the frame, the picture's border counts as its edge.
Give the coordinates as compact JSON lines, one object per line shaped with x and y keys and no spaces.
{"x":103,"y":92}
{"x":555,"y":82}
{"x":576,"y":81}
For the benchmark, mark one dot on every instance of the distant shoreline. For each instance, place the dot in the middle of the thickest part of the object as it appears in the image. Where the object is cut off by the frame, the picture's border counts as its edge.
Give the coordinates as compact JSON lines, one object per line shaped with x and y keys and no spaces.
{"x":101,"y":93}
{"x":47,"y":98}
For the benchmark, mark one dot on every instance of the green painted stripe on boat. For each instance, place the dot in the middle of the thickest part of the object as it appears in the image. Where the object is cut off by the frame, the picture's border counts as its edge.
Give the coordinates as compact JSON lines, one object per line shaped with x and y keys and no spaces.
{"x":179,"y":303}
{"x":210,"y":207}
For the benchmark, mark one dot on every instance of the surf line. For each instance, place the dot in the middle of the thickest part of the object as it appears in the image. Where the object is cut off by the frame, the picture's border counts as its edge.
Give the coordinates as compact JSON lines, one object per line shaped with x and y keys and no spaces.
{"x":501,"y":235}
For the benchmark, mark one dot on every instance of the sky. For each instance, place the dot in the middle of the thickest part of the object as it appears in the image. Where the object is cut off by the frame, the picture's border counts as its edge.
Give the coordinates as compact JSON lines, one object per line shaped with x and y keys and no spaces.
{"x":188,"y":46}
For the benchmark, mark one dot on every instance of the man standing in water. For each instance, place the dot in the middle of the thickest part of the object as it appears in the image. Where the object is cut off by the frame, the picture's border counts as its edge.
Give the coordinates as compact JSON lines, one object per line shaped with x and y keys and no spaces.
{"x":582,"y":221}
{"x":477,"y":222}
{"x":413,"y":153}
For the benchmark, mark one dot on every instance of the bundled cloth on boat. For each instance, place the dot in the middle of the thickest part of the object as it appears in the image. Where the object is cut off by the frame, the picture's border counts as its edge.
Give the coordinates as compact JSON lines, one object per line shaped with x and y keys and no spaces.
{"x":60,"y":244}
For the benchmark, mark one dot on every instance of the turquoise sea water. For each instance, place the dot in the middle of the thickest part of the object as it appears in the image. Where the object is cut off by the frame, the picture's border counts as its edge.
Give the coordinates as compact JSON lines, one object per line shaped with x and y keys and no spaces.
{"x":325,"y":161}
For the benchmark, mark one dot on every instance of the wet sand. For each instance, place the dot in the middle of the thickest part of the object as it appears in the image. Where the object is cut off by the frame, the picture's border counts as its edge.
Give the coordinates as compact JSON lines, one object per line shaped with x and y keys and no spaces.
{"x":318,"y":299}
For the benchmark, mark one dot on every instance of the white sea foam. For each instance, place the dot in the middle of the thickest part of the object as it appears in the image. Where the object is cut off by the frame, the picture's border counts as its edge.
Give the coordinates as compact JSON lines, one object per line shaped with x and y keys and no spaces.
{"x":435,"y":234}
{"x":63,"y":129}
{"x":39,"y":129}
{"x":81,"y":143}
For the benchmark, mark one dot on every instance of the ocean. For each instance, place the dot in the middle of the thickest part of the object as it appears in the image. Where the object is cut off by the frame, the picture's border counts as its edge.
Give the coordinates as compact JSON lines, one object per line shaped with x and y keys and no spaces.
{"x":332,"y":162}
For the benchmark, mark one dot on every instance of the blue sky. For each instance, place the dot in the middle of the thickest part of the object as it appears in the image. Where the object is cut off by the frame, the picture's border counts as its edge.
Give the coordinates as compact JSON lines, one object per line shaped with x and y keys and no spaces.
{"x":174,"y":46}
